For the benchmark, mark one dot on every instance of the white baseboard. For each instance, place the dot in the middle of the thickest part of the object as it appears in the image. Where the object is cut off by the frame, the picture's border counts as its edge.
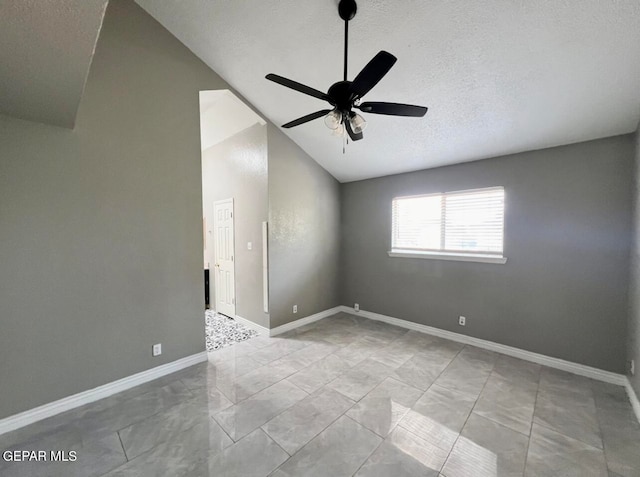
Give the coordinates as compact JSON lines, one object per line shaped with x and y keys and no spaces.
{"x":51,"y":409}
{"x":305,"y":321}
{"x":557,"y":363}
{"x":633,"y":397}
{"x":254,"y":326}
{"x":85,"y":397}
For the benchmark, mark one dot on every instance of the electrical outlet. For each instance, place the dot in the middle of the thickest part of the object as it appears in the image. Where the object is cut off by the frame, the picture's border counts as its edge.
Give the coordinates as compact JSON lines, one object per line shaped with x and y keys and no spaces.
{"x":462,"y":321}
{"x":157,"y":349}
{"x":295,"y":308}
{"x":356,"y":306}
{"x":632,"y":367}
{"x":249,"y":246}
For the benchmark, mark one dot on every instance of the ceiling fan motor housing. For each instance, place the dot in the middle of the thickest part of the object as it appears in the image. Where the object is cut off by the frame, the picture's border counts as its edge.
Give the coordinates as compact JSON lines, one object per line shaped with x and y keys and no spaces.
{"x":341,"y":93}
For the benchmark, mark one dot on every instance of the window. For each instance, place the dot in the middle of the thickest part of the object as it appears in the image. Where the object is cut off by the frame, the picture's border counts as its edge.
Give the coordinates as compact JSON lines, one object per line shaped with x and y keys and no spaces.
{"x":464,"y":225}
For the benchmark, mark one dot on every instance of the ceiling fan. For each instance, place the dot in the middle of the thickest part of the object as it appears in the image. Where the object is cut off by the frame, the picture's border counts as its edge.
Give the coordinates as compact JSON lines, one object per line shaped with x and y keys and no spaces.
{"x":345,"y":95}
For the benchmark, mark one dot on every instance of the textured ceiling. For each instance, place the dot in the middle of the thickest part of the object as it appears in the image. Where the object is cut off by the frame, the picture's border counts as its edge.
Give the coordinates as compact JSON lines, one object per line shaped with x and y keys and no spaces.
{"x":222,"y":115}
{"x":45,"y":55}
{"x":498,"y":77}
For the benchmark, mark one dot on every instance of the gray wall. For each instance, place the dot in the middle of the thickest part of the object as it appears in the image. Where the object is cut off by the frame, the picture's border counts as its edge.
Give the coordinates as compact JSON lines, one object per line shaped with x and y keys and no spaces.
{"x":237,"y":168}
{"x":563,"y":291}
{"x":46,"y":56}
{"x":101,"y":227}
{"x":304,"y":231}
{"x":634,"y":287}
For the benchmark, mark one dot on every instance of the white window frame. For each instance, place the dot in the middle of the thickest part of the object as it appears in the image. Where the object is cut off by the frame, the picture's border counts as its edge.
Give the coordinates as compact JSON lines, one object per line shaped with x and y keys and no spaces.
{"x":460,"y":256}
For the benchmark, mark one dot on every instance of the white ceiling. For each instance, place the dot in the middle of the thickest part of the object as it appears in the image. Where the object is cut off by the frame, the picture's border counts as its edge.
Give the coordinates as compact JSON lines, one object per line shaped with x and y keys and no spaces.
{"x":222,"y":115}
{"x":47,"y":47}
{"x":499,"y":77}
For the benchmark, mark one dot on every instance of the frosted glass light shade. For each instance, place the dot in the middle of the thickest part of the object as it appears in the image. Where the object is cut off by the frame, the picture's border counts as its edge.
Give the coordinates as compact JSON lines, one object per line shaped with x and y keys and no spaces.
{"x":333,"y":119}
{"x":358,"y":124}
{"x":339,"y":131}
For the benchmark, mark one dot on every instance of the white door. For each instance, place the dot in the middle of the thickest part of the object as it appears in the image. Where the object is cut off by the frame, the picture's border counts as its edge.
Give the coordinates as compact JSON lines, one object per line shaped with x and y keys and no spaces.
{"x":224,"y":274}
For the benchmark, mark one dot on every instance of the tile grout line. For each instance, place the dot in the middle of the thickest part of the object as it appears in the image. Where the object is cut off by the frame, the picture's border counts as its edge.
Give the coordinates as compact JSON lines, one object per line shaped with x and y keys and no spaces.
{"x":223,"y":430}
{"x":535,"y":404}
{"x":398,"y":424}
{"x":569,"y":437}
{"x":189,"y":390}
{"x":269,"y":363}
{"x":423,"y":394}
{"x":213,"y":417}
{"x":281,"y":412}
{"x":277,"y":382}
{"x":164,"y":441}
{"x":505,"y":425}
{"x":604,"y":448}
{"x":160,"y":411}
{"x":318,"y":360}
{"x":606,"y":461}
{"x":276,"y":443}
{"x":122,"y":445}
{"x":295,"y":404}
{"x":470,"y":411}
{"x":307,"y":443}
{"x":372,"y":452}
{"x":557,"y":431}
{"x":316,"y":435}
{"x":119,"y":402}
{"x":338,"y":417}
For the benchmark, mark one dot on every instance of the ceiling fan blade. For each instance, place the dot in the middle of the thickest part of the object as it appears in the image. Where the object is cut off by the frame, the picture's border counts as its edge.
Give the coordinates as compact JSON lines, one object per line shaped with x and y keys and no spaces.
{"x":393,"y":109}
{"x":307,"y":118}
{"x":298,"y":87}
{"x":372,"y":73}
{"x":352,"y":135}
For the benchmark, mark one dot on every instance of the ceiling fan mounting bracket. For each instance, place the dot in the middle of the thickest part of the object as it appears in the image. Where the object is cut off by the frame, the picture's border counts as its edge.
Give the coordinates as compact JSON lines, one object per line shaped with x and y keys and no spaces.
{"x":347,"y":9}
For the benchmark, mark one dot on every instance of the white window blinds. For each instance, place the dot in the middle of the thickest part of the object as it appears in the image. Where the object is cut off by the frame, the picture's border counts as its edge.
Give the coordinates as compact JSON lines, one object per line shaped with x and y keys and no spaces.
{"x":461,"y":222}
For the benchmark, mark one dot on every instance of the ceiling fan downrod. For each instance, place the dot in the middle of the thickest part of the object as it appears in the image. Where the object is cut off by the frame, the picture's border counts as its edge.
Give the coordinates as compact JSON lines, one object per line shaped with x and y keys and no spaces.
{"x":347,"y":10}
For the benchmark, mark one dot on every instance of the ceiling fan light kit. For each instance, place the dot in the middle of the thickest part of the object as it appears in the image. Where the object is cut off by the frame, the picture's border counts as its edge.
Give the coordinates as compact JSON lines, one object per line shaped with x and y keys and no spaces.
{"x":345,"y":95}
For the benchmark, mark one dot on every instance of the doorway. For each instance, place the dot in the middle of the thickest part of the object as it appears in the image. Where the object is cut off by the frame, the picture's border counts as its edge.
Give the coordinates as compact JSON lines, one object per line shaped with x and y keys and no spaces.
{"x":235,"y":210}
{"x":224,"y":251}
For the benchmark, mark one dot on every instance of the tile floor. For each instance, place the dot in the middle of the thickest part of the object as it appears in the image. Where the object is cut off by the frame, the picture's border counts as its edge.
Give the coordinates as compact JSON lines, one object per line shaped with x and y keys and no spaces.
{"x":341,"y":397}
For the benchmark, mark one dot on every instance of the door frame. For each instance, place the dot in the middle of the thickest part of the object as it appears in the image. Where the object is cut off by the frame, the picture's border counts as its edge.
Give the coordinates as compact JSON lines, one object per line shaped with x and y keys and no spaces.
{"x":233,"y":254}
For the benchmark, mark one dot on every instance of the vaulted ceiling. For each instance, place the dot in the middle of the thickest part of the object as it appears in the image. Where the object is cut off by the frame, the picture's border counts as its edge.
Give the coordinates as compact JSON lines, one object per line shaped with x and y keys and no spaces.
{"x":222,"y":115}
{"x":498,"y":77}
{"x":46,"y":52}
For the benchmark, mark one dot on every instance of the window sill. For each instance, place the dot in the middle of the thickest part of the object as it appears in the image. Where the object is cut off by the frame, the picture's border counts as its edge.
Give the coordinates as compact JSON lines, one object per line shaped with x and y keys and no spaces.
{"x":458,"y":257}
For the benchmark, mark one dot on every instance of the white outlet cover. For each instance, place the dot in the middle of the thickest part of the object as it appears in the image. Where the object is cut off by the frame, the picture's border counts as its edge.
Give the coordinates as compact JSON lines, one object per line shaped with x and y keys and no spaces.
{"x":632,"y":367}
{"x":157,"y":349}
{"x":295,"y":308}
{"x":462,"y":321}
{"x":356,"y":306}
{"x":249,"y":246}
